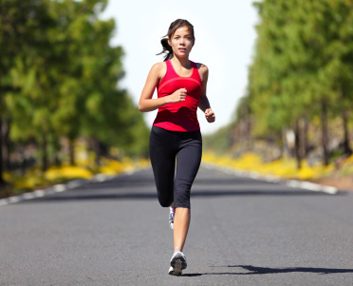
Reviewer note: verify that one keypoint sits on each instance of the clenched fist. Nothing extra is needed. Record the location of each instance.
(210, 116)
(178, 95)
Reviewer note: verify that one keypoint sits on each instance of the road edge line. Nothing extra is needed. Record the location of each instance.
(69, 185)
(273, 179)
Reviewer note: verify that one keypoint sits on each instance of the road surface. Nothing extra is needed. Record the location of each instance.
(243, 232)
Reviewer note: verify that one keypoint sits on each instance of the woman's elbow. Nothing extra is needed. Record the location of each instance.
(140, 107)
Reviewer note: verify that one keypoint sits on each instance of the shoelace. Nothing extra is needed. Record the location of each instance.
(171, 216)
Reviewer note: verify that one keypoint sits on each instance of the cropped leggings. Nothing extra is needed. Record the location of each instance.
(175, 159)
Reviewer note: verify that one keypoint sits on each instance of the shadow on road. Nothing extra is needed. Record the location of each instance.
(116, 194)
(127, 182)
(141, 186)
(255, 270)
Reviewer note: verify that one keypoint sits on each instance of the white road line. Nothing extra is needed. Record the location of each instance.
(291, 183)
(312, 187)
(27, 196)
(60, 188)
(13, 200)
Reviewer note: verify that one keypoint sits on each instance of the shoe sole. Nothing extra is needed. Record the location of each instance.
(178, 264)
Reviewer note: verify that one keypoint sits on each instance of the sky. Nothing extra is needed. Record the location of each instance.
(225, 38)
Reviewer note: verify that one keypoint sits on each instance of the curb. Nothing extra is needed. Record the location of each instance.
(58, 188)
(273, 179)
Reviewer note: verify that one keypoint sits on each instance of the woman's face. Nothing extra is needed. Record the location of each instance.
(182, 42)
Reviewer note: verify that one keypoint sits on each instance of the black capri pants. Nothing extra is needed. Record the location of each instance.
(175, 159)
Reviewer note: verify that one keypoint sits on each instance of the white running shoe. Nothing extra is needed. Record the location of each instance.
(171, 217)
(177, 263)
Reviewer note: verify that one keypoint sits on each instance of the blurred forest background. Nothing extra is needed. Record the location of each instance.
(59, 87)
(299, 98)
(61, 104)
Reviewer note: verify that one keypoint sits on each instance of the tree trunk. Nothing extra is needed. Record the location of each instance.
(297, 145)
(6, 144)
(284, 149)
(2, 180)
(305, 137)
(72, 152)
(44, 153)
(57, 150)
(324, 133)
(248, 131)
(97, 152)
(23, 167)
(346, 144)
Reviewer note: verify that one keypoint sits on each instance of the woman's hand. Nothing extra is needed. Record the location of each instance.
(210, 116)
(177, 96)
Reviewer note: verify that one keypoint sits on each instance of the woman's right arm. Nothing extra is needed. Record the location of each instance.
(146, 102)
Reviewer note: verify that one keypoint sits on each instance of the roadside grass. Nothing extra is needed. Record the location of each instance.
(283, 168)
(34, 178)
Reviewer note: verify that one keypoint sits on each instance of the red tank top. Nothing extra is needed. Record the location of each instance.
(180, 116)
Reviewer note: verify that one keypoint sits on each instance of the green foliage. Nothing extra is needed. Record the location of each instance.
(59, 76)
(303, 61)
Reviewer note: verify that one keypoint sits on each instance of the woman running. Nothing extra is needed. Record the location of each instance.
(175, 139)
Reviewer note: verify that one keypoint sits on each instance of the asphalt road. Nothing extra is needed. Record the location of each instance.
(243, 232)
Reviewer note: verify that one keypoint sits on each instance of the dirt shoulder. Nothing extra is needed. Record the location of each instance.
(341, 182)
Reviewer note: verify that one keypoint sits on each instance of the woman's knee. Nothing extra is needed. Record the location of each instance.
(165, 202)
(182, 199)
(165, 193)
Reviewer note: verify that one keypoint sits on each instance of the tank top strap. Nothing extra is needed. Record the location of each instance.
(168, 63)
(171, 71)
(170, 68)
(195, 71)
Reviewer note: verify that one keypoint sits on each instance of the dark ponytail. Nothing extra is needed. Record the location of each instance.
(167, 49)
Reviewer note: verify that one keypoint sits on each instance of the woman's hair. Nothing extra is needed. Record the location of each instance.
(167, 49)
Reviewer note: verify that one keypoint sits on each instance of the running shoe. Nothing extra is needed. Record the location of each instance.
(171, 217)
(177, 263)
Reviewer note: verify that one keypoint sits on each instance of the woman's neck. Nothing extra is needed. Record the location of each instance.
(184, 62)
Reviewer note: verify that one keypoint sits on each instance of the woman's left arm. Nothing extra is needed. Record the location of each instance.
(204, 103)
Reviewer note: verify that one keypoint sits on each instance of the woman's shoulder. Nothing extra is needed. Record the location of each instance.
(159, 69)
(203, 69)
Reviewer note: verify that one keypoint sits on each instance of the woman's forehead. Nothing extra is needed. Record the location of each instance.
(183, 30)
